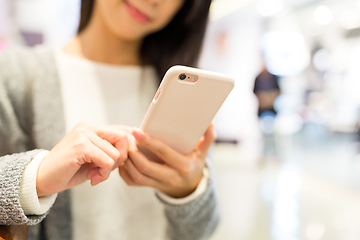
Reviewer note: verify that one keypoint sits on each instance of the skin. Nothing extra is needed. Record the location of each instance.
(178, 176)
(116, 34)
(92, 152)
(87, 152)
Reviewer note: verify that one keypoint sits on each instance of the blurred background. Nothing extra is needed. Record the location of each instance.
(287, 157)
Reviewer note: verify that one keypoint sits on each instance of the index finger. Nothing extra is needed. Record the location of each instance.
(160, 149)
(110, 133)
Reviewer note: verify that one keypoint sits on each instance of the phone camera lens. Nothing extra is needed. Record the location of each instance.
(182, 76)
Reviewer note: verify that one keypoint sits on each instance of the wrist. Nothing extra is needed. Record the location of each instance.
(39, 188)
(45, 179)
(181, 193)
(29, 200)
(200, 189)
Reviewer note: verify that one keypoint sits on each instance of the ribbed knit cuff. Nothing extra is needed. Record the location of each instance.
(200, 189)
(29, 200)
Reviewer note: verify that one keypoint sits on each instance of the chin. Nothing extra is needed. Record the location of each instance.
(130, 33)
(130, 36)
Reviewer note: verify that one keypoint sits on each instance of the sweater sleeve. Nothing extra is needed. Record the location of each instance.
(12, 168)
(29, 200)
(13, 137)
(196, 219)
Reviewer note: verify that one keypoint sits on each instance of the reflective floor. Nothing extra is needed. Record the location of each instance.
(307, 187)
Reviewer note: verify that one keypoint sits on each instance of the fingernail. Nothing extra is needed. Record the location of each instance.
(137, 133)
(130, 139)
(93, 183)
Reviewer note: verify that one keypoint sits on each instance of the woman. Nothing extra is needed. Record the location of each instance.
(107, 74)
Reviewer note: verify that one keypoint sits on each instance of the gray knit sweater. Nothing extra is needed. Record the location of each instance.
(32, 117)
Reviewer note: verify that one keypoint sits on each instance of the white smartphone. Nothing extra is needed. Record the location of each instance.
(184, 105)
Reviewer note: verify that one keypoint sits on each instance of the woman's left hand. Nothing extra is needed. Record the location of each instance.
(178, 175)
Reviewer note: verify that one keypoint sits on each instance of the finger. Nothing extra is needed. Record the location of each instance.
(102, 160)
(83, 174)
(149, 168)
(92, 172)
(119, 139)
(98, 178)
(122, 146)
(126, 129)
(125, 176)
(117, 151)
(139, 178)
(206, 142)
(160, 149)
(105, 146)
(112, 133)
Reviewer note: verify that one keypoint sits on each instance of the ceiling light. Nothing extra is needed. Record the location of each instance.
(323, 15)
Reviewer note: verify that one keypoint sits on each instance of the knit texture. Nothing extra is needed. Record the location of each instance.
(20, 65)
(11, 212)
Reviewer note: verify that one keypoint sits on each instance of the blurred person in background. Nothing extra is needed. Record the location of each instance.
(107, 74)
(266, 89)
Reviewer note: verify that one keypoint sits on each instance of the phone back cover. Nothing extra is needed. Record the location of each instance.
(183, 111)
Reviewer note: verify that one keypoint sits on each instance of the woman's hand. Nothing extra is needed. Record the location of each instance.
(87, 152)
(178, 176)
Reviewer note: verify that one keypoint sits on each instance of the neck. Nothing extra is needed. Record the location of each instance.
(97, 43)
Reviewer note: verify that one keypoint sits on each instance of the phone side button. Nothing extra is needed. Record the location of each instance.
(157, 94)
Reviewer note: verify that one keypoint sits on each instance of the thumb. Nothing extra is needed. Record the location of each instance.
(206, 141)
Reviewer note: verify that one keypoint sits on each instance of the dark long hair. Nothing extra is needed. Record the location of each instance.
(179, 42)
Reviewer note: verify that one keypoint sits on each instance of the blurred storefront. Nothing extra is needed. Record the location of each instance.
(303, 181)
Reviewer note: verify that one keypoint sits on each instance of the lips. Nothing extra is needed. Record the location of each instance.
(135, 13)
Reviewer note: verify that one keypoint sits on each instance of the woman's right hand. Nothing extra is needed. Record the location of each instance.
(87, 152)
